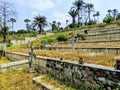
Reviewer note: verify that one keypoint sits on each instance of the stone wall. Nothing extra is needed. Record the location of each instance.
(88, 76)
(106, 50)
(13, 65)
(26, 40)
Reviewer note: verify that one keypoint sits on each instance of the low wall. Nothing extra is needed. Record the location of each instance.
(105, 36)
(26, 40)
(77, 75)
(13, 65)
(106, 50)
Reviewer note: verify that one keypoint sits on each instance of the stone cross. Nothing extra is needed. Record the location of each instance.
(32, 55)
(73, 43)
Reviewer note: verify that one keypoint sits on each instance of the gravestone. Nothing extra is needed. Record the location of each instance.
(32, 55)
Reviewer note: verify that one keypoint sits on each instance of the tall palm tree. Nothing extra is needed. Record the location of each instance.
(58, 25)
(89, 8)
(94, 15)
(73, 13)
(27, 25)
(67, 24)
(109, 12)
(98, 14)
(12, 20)
(53, 25)
(79, 4)
(115, 12)
(39, 22)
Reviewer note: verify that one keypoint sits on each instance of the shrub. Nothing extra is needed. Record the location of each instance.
(62, 37)
(108, 19)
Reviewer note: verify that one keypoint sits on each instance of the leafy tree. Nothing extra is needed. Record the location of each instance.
(39, 22)
(27, 24)
(89, 8)
(73, 13)
(79, 4)
(12, 20)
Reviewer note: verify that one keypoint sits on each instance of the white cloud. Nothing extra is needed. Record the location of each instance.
(61, 17)
(41, 4)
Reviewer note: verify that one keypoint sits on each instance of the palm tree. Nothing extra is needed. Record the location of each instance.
(98, 14)
(73, 13)
(94, 15)
(89, 8)
(27, 25)
(109, 12)
(115, 12)
(67, 24)
(39, 22)
(53, 25)
(13, 21)
(79, 4)
(58, 25)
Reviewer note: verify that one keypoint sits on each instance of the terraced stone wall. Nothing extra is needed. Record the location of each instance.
(88, 76)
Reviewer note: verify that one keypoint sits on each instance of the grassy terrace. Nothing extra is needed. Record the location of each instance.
(50, 81)
(4, 60)
(17, 80)
(100, 59)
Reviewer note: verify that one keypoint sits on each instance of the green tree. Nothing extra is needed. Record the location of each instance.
(27, 24)
(89, 8)
(79, 4)
(39, 22)
(73, 13)
(12, 20)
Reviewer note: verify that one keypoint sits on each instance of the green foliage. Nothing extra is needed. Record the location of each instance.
(62, 37)
(108, 19)
(91, 22)
(21, 31)
(118, 16)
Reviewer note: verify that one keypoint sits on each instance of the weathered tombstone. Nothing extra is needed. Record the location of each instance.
(32, 55)
(73, 43)
(81, 60)
(117, 65)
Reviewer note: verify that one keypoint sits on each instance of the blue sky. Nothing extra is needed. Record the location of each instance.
(55, 10)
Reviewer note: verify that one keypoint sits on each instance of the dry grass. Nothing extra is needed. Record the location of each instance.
(100, 59)
(17, 80)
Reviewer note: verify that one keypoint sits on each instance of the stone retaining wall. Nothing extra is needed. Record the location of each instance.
(77, 75)
(13, 65)
(106, 50)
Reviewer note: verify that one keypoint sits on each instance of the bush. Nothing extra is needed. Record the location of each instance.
(62, 37)
(108, 19)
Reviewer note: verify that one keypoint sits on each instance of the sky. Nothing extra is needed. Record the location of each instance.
(55, 10)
